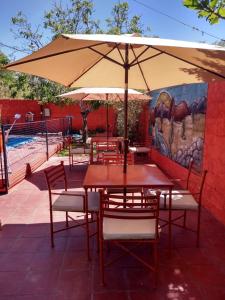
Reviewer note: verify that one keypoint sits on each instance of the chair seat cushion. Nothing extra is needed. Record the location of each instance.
(68, 202)
(93, 201)
(139, 149)
(180, 201)
(128, 229)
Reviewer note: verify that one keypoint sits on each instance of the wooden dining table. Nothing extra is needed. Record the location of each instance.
(144, 176)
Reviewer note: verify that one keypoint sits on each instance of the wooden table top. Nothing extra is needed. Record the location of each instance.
(103, 176)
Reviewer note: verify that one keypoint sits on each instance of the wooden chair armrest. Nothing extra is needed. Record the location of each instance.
(71, 194)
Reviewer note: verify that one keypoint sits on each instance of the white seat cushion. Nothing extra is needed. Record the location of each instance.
(75, 203)
(139, 149)
(128, 229)
(180, 201)
(93, 201)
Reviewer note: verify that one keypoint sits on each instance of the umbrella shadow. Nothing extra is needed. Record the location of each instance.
(75, 177)
(212, 66)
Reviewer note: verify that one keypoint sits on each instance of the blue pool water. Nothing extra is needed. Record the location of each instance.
(14, 142)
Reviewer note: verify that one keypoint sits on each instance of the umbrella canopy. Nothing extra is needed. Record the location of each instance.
(104, 94)
(120, 60)
(83, 60)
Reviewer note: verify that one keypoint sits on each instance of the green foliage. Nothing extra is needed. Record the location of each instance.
(31, 37)
(134, 110)
(211, 10)
(63, 152)
(120, 22)
(75, 18)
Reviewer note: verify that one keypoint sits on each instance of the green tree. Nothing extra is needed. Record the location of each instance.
(76, 17)
(120, 21)
(5, 77)
(212, 10)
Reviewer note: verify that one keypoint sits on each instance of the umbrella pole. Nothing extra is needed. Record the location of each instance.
(107, 118)
(126, 68)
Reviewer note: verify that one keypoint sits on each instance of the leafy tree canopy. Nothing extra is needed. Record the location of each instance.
(212, 10)
(76, 17)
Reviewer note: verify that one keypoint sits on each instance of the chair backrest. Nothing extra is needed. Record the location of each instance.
(67, 141)
(54, 175)
(117, 158)
(130, 207)
(192, 172)
(107, 146)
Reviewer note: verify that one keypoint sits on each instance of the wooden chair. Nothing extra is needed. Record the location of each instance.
(75, 150)
(106, 147)
(135, 223)
(117, 158)
(184, 200)
(69, 201)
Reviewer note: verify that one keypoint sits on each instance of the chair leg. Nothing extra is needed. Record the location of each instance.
(97, 223)
(155, 249)
(198, 226)
(51, 229)
(87, 235)
(184, 220)
(101, 261)
(67, 221)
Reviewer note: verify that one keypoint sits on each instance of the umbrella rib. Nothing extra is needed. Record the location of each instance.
(184, 60)
(89, 68)
(120, 54)
(106, 57)
(50, 55)
(136, 58)
(147, 58)
(142, 73)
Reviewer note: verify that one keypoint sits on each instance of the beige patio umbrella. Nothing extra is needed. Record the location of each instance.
(90, 60)
(104, 94)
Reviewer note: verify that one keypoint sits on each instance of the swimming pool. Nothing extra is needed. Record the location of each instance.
(17, 141)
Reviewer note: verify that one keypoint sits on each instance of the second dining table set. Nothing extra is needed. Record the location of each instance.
(125, 206)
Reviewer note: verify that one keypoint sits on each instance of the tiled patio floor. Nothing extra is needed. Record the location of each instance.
(31, 269)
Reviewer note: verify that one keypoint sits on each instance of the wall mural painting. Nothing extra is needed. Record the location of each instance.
(177, 122)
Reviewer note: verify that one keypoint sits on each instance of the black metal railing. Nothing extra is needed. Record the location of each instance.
(26, 146)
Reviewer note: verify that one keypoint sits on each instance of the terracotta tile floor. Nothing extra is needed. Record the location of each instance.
(31, 269)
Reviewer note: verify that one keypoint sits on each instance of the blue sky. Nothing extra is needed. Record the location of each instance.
(160, 25)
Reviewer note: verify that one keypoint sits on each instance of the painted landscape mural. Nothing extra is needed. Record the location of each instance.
(177, 122)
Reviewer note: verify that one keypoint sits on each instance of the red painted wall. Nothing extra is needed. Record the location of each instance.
(96, 119)
(214, 158)
(10, 107)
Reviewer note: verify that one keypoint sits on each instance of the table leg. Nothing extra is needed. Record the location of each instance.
(170, 219)
(91, 153)
(87, 223)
